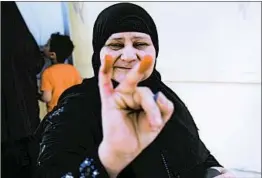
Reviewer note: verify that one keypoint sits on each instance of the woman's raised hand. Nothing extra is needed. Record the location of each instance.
(132, 116)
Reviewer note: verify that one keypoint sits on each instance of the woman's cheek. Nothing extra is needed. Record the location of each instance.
(115, 54)
(105, 51)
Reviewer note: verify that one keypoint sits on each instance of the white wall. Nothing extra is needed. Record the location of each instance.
(210, 54)
(42, 19)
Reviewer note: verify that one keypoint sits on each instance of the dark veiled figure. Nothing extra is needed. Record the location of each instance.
(20, 62)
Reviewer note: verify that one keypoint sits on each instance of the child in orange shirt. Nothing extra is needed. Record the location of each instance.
(59, 76)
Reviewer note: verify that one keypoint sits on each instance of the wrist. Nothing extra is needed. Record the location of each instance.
(114, 163)
(107, 160)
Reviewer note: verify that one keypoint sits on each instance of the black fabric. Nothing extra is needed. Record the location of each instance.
(68, 138)
(178, 144)
(183, 153)
(18, 159)
(20, 62)
(211, 173)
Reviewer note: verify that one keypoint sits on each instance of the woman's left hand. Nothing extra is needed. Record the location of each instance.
(132, 116)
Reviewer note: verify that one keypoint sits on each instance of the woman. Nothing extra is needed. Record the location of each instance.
(123, 122)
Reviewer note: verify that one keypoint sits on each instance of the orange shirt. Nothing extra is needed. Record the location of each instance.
(57, 78)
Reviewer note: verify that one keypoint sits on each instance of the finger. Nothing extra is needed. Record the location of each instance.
(124, 101)
(104, 78)
(226, 175)
(166, 106)
(135, 75)
(144, 97)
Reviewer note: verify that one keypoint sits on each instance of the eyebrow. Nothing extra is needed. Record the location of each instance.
(139, 37)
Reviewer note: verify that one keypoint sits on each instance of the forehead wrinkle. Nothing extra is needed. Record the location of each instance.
(122, 39)
(129, 34)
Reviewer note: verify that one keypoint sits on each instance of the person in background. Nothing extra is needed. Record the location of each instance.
(59, 76)
(21, 60)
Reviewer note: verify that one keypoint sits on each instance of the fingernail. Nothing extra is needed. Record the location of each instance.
(108, 63)
(156, 96)
(145, 64)
(161, 98)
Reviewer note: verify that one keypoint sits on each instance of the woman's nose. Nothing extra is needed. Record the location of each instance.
(129, 54)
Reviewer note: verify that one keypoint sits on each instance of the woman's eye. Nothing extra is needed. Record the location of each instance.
(115, 46)
(140, 45)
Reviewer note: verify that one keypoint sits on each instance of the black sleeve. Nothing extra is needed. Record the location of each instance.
(66, 142)
(211, 162)
(201, 170)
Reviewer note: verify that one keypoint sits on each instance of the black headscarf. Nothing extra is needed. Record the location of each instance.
(128, 17)
(122, 17)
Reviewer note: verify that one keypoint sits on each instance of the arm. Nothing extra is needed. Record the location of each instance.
(67, 141)
(46, 96)
(210, 168)
(203, 170)
(46, 87)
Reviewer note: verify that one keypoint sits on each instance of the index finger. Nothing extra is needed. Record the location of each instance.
(135, 75)
(104, 78)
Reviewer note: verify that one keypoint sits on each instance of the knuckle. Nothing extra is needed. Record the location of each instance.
(145, 90)
(171, 106)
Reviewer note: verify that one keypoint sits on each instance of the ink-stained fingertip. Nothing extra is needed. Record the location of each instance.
(145, 64)
(108, 63)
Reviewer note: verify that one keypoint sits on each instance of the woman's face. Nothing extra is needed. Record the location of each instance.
(127, 49)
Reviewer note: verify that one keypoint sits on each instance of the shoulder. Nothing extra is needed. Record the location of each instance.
(88, 87)
(68, 66)
(74, 107)
(64, 134)
(58, 66)
(45, 73)
(49, 69)
(72, 68)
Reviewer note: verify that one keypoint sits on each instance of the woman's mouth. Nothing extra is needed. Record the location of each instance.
(123, 68)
